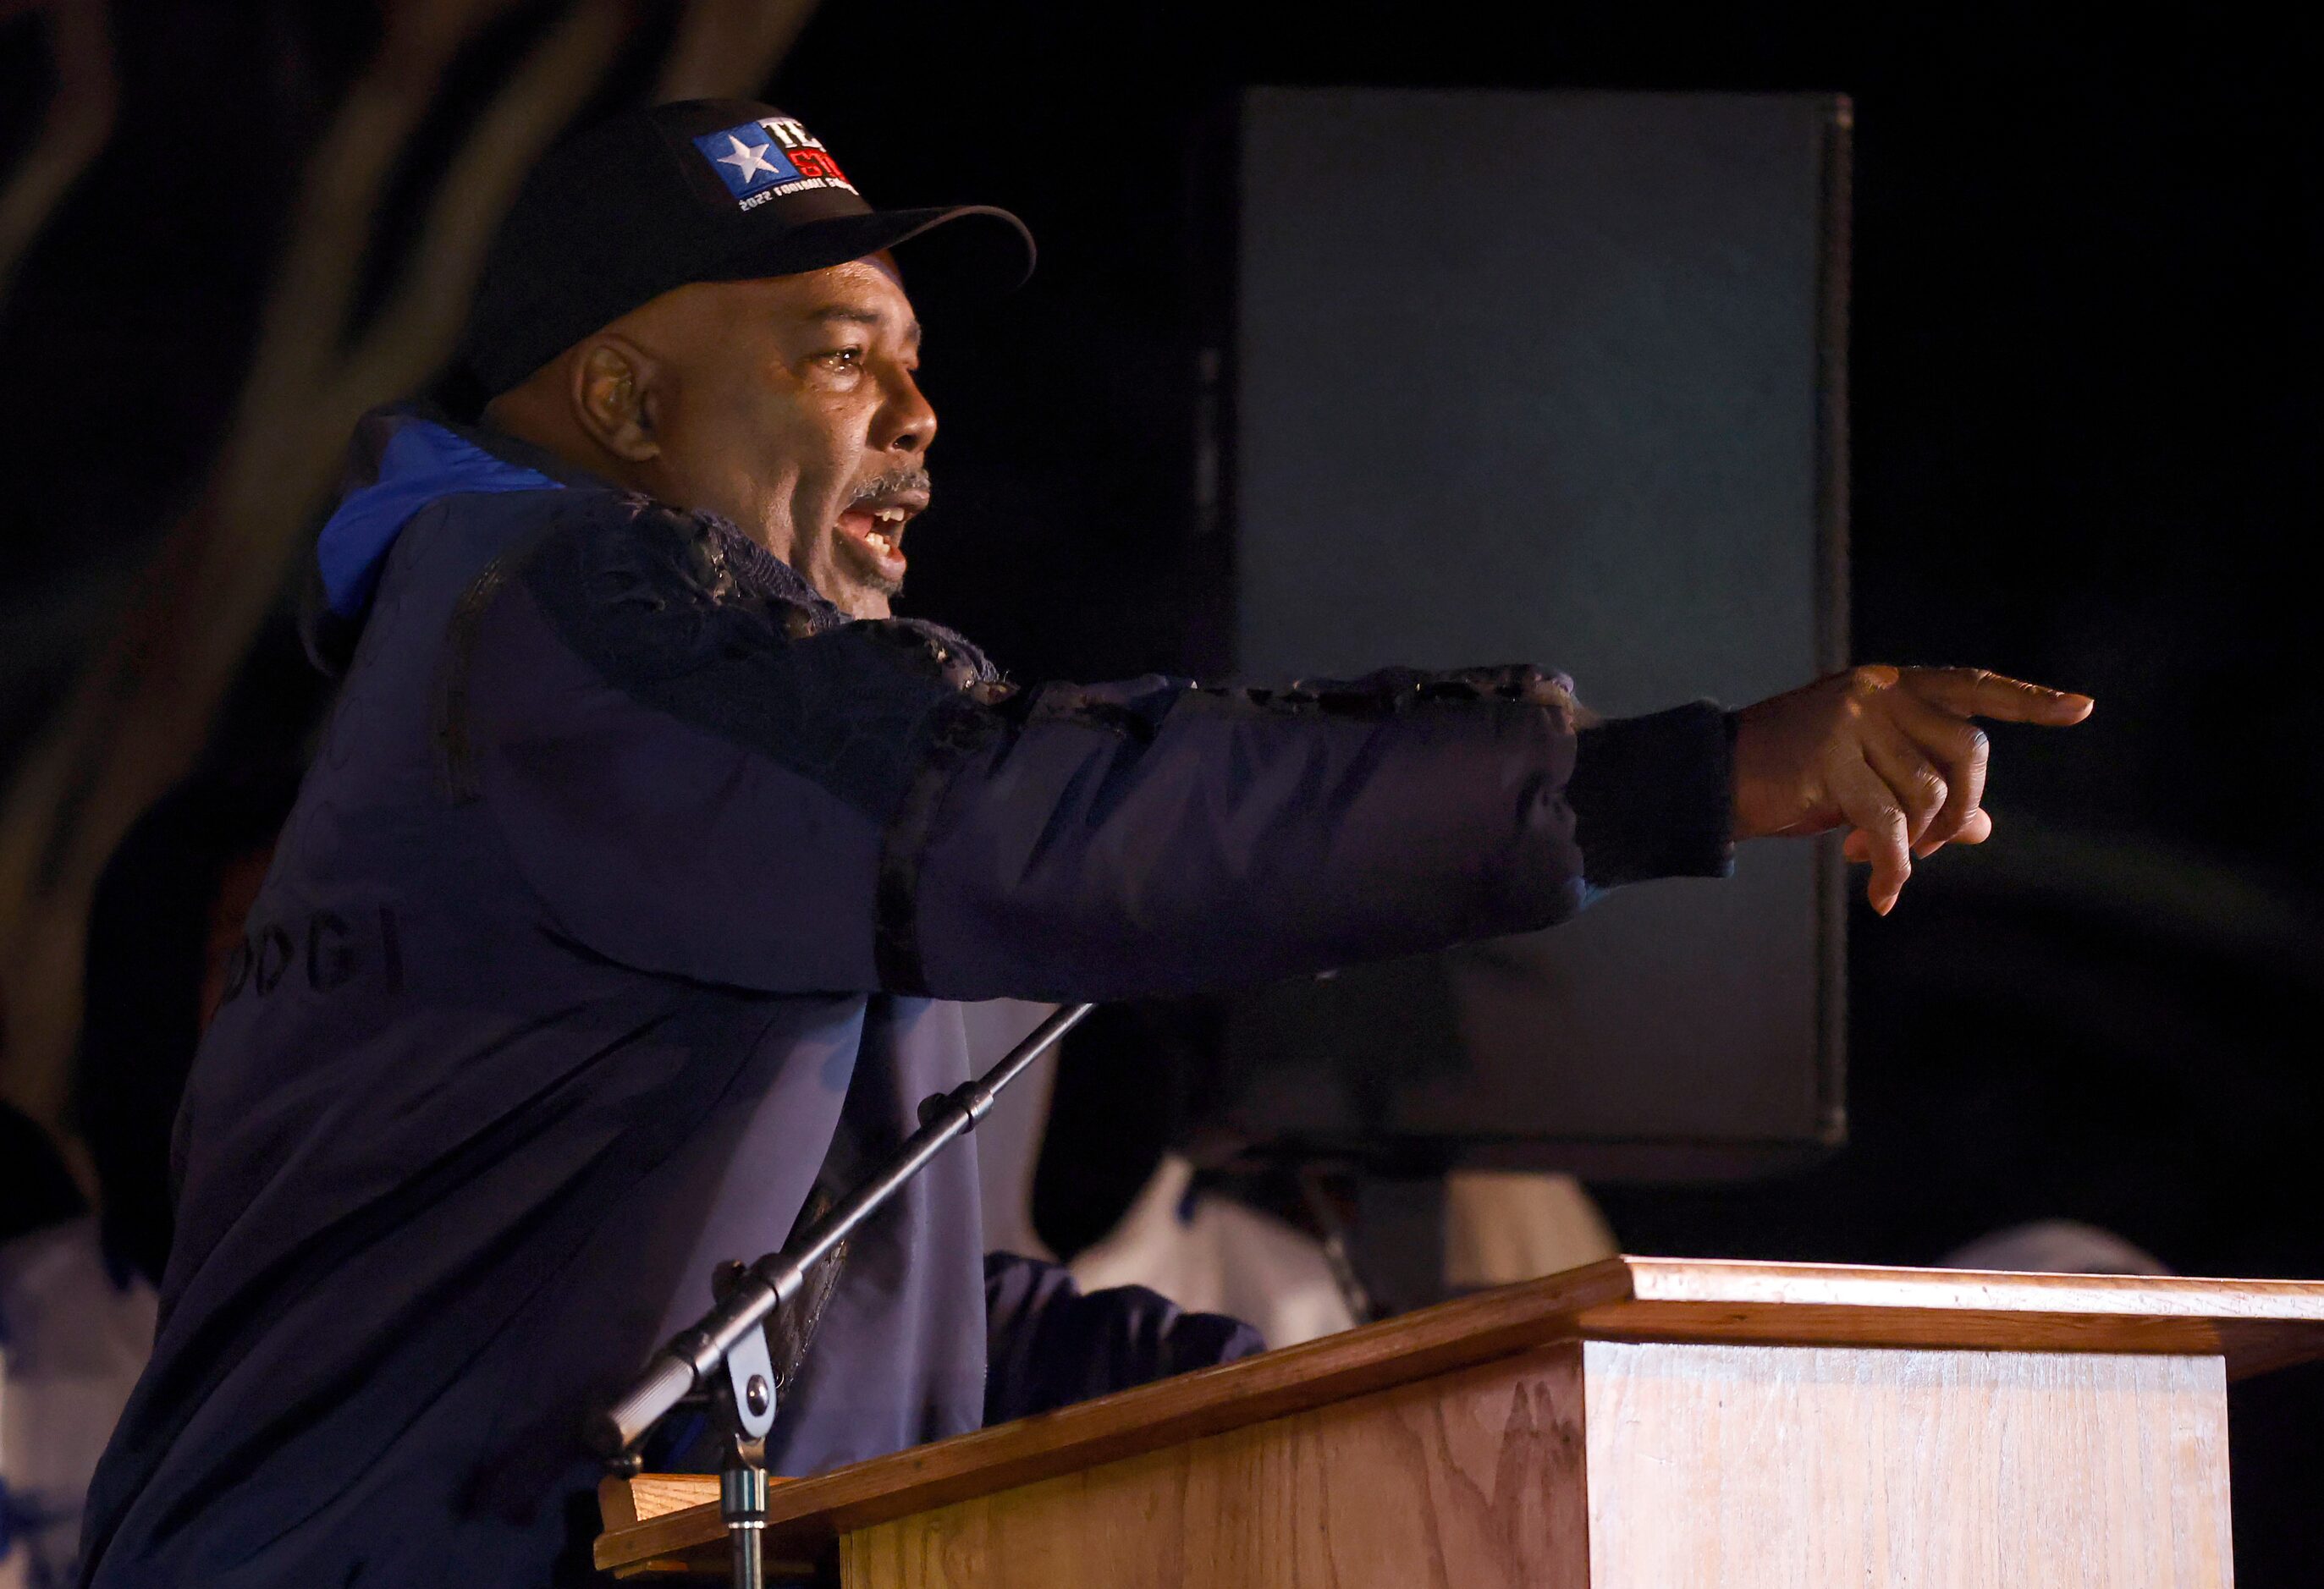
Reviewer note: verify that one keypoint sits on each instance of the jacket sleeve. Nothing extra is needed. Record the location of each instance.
(706, 784)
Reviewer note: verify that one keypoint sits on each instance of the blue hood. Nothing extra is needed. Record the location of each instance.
(422, 463)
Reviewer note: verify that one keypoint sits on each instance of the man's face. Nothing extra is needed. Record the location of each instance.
(789, 406)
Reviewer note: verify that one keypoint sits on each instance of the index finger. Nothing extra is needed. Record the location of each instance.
(1972, 692)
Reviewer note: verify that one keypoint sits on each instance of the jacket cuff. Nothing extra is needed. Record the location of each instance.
(1654, 796)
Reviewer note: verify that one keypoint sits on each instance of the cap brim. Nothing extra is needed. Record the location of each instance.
(990, 258)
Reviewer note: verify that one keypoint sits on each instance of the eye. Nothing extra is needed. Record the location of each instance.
(841, 358)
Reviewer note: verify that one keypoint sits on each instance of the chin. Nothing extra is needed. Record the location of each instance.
(866, 598)
(862, 592)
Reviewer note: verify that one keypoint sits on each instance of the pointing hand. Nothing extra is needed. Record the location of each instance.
(1890, 753)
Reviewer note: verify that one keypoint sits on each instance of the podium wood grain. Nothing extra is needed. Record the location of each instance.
(1473, 1479)
(1735, 1467)
(1806, 1424)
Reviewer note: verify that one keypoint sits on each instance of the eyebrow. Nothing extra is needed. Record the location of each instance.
(871, 318)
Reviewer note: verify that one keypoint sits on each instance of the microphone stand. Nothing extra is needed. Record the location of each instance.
(732, 1335)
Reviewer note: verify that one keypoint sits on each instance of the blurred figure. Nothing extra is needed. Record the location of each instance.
(1205, 1249)
(2054, 1247)
(74, 1333)
(1139, 1182)
(1506, 1226)
(1251, 1246)
(77, 1289)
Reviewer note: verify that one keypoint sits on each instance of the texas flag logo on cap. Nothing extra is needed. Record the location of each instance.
(764, 160)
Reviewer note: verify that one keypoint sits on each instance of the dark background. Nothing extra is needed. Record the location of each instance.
(2085, 414)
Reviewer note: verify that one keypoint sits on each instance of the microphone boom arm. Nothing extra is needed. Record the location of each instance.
(694, 1357)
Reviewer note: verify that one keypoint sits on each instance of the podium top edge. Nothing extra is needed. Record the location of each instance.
(1774, 1285)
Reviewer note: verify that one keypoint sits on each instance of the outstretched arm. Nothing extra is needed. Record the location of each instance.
(705, 785)
(709, 784)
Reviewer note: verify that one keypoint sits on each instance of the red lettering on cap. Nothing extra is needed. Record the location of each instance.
(816, 162)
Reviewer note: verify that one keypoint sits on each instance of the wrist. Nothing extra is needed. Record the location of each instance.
(1654, 796)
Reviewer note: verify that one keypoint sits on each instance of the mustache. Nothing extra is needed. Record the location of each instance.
(894, 483)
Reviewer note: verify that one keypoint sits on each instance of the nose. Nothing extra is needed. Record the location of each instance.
(906, 422)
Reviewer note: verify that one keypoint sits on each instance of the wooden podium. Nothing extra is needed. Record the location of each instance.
(1641, 1423)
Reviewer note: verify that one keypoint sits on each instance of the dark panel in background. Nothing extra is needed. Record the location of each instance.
(1553, 378)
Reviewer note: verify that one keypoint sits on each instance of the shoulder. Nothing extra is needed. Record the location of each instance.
(648, 590)
(615, 573)
(682, 614)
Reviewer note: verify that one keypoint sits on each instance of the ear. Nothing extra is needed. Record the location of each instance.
(615, 395)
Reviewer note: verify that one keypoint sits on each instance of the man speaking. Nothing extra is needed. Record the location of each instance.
(619, 913)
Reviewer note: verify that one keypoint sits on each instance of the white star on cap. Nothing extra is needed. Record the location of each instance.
(746, 160)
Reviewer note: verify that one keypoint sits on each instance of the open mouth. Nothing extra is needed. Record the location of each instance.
(876, 524)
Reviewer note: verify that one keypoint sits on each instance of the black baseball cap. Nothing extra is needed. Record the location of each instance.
(699, 190)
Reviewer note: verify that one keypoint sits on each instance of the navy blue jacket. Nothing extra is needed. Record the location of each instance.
(623, 903)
